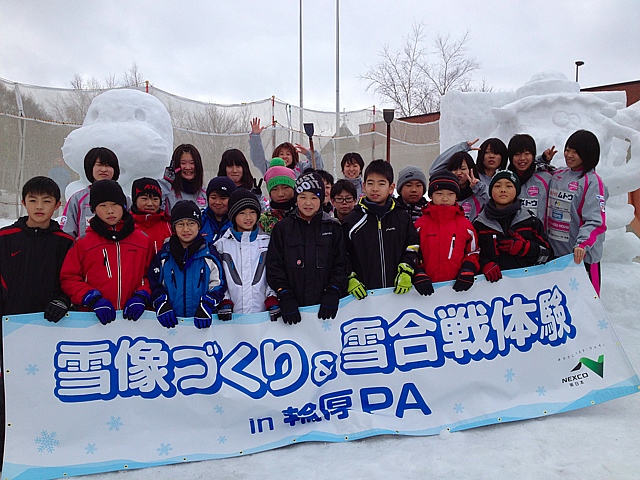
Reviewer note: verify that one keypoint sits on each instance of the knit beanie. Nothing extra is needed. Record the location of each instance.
(240, 200)
(106, 191)
(509, 175)
(222, 184)
(279, 174)
(444, 180)
(410, 173)
(145, 186)
(186, 210)
(311, 182)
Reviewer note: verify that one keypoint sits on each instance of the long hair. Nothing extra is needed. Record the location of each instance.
(498, 147)
(234, 156)
(455, 162)
(586, 145)
(198, 180)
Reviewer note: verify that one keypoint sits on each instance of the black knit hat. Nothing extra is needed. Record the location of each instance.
(240, 200)
(221, 184)
(106, 191)
(444, 180)
(186, 210)
(145, 186)
(311, 182)
(509, 175)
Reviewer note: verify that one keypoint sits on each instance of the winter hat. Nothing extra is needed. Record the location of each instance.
(145, 186)
(240, 200)
(509, 175)
(444, 180)
(106, 191)
(410, 173)
(311, 182)
(279, 174)
(221, 184)
(186, 210)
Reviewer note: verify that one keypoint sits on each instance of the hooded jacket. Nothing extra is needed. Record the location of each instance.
(156, 225)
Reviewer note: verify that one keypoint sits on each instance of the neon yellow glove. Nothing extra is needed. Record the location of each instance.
(403, 279)
(355, 287)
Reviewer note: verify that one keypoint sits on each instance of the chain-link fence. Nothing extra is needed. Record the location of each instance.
(34, 122)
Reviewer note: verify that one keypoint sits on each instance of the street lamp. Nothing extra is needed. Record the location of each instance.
(579, 63)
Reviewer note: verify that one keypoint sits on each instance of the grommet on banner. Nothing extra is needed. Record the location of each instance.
(346, 438)
(544, 411)
(499, 419)
(593, 402)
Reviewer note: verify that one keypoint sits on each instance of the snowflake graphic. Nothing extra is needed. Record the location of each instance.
(90, 448)
(509, 375)
(47, 441)
(574, 284)
(219, 409)
(115, 423)
(541, 391)
(164, 449)
(326, 325)
(222, 439)
(31, 369)
(459, 408)
(172, 332)
(603, 324)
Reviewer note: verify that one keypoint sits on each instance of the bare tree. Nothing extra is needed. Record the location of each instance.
(413, 79)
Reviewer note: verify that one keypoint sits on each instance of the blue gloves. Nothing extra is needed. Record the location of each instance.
(136, 305)
(202, 318)
(164, 312)
(102, 307)
(225, 310)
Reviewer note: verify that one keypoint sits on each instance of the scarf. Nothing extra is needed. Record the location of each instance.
(117, 233)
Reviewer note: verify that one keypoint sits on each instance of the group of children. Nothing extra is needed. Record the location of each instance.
(317, 242)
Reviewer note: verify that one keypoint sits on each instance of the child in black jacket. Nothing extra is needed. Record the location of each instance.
(509, 235)
(306, 260)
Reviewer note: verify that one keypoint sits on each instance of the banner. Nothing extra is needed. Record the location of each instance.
(86, 398)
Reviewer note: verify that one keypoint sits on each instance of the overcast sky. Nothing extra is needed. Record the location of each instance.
(245, 50)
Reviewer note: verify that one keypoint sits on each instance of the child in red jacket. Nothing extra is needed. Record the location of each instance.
(448, 243)
(106, 268)
(148, 213)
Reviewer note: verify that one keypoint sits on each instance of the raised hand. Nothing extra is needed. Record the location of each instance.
(255, 126)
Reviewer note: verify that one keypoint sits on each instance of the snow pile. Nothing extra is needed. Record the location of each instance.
(135, 125)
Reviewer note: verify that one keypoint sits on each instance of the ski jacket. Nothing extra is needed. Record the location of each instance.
(170, 197)
(525, 224)
(202, 273)
(447, 240)
(306, 257)
(244, 258)
(157, 226)
(212, 229)
(256, 153)
(376, 246)
(473, 204)
(30, 263)
(117, 269)
(576, 213)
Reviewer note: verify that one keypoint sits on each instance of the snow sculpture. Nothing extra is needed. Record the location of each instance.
(550, 108)
(135, 125)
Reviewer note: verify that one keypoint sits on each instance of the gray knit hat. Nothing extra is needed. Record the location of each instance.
(410, 173)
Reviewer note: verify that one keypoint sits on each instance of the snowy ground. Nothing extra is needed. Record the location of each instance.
(592, 443)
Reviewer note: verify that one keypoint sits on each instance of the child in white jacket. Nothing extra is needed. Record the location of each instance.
(243, 251)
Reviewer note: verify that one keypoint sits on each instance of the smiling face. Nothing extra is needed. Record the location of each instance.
(109, 212)
(308, 205)
(286, 155)
(522, 161)
(572, 159)
(187, 166)
(377, 188)
(503, 193)
(186, 231)
(219, 204)
(246, 220)
(235, 172)
(147, 203)
(351, 170)
(40, 208)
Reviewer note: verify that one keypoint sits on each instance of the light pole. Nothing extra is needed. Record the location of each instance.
(579, 63)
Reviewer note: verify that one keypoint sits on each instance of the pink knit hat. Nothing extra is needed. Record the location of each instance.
(279, 174)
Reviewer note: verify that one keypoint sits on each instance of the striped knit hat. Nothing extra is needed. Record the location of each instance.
(279, 174)
(444, 180)
(241, 199)
(509, 175)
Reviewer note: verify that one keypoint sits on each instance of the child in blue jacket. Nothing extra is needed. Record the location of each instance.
(186, 277)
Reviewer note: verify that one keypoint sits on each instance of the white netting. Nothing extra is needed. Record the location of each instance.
(34, 122)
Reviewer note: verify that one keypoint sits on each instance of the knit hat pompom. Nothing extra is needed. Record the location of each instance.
(279, 174)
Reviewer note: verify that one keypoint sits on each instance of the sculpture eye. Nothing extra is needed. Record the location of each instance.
(140, 115)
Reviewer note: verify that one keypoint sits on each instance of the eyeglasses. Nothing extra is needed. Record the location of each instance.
(343, 199)
(185, 224)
